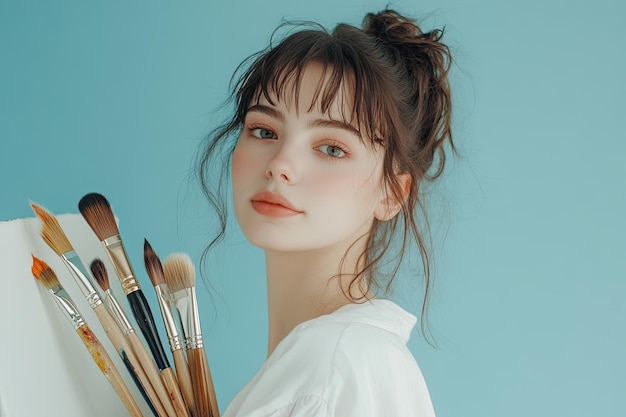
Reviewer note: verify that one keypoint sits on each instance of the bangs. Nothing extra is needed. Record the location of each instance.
(348, 78)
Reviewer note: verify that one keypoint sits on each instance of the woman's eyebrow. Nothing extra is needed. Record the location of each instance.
(270, 111)
(335, 124)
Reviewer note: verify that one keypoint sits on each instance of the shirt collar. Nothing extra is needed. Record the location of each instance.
(384, 314)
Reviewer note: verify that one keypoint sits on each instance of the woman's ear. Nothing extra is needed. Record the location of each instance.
(391, 204)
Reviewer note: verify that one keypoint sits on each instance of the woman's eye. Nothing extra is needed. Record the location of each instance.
(332, 151)
(263, 133)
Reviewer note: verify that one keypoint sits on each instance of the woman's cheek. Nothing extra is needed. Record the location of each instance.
(242, 163)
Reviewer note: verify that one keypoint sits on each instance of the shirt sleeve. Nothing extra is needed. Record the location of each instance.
(306, 406)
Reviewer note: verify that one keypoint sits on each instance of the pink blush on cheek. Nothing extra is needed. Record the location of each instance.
(242, 164)
(324, 184)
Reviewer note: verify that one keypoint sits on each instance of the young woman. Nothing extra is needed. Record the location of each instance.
(336, 133)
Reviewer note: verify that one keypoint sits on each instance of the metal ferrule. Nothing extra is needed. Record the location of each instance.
(182, 301)
(194, 337)
(118, 313)
(76, 267)
(63, 300)
(117, 254)
(196, 330)
(165, 304)
(194, 342)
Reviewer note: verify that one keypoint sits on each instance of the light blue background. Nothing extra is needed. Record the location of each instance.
(530, 301)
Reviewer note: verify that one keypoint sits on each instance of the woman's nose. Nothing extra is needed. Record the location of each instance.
(283, 165)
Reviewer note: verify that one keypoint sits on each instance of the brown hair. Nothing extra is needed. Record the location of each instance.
(401, 100)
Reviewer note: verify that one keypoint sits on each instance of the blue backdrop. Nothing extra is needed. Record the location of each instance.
(529, 222)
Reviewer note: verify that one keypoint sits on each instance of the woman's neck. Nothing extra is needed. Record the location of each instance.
(304, 285)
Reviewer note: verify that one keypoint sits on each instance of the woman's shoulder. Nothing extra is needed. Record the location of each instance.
(358, 347)
(359, 354)
(371, 343)
(351, 362)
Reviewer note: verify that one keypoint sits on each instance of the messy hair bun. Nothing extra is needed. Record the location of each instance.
(422, 63)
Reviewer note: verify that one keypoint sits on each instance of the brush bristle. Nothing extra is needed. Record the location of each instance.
(51, 232)
(179, 272)
(38, 266)
(153, 264)
(99, 272)
(43, 273)
(97, 212)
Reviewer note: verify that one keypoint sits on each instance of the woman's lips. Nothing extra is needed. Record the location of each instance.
(272, 204)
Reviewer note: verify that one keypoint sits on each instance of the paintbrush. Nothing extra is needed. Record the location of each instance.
(98, 213)
(147, 370)
(180, 277)
(55, 237)
(46, 276)
(155, 272)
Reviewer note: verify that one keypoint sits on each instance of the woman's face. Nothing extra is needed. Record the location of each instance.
(304, 180)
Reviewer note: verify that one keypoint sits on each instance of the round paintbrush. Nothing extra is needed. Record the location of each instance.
(155, 272)
(146, 370)
(180, 277)
(46, 276)
(98, 213)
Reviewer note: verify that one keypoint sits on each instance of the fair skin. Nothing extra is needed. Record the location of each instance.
(306, 187)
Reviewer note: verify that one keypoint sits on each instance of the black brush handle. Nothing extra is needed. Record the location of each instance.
(133, 374)
(141, 310)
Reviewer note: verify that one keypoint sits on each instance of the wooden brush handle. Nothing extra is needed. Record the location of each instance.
(116, 336)
(169, 379)
(184, 380)
(104, 362)
(150, 369)
(111, 328)
(204, 392)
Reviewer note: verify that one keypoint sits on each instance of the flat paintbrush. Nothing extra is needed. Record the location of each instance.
(55, 237)
(180, 277)
(147, 370)
(46, 276)
(155, 272)
(98, 213)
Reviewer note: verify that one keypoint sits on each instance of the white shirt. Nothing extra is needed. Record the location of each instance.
(351, 363)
